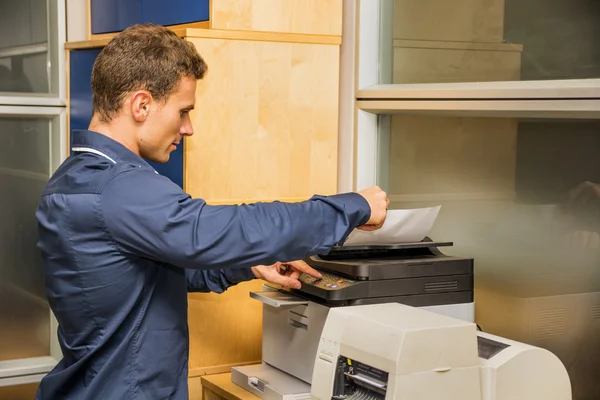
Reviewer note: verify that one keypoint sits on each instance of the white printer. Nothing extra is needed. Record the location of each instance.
(392, 351)
(397, 352)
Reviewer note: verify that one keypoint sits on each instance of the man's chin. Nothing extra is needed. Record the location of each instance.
(159, 160)
(164, 160)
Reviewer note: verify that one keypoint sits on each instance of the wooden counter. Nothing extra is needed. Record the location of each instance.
(220, 387)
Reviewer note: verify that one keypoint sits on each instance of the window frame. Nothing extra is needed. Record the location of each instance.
(51, 106)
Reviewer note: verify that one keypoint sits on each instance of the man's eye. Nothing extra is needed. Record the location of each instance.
(182, 113)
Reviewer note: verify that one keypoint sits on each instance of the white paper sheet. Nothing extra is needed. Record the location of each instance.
(400, 226)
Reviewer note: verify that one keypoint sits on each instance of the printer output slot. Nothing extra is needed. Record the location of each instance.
(367, 382)
(361, 394)
(357, 381)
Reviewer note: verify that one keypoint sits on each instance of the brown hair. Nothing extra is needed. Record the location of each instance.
(145, 56)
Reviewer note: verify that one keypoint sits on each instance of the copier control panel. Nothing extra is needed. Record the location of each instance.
(327, 282)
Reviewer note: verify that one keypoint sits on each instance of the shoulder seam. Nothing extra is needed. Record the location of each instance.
(101, 188)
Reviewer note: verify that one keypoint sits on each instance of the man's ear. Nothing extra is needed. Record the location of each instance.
(140, 105)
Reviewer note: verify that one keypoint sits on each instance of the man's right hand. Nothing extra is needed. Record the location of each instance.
(379, 202)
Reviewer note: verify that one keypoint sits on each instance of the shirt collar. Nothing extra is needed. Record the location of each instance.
(104, 146)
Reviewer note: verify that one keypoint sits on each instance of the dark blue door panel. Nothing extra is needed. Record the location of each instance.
(115, 15)
(81, 63)
(173, 12)
(173, 169)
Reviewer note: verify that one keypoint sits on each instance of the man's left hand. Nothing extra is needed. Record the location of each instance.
(285, 274)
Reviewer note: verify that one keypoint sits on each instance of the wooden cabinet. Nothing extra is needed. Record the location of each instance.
(266, 120)
(265, 129)
(220, 387)
(315, 17)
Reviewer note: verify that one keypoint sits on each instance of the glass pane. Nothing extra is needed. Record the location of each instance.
(24, 46)
(435, 41)
(522, 197)
(24, 171)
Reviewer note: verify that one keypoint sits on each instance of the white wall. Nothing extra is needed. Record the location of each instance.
(77, 20)
(347, 99)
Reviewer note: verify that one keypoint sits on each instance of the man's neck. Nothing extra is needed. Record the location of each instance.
(117, 130)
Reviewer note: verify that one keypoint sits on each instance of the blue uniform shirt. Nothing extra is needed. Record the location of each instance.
(122, 246)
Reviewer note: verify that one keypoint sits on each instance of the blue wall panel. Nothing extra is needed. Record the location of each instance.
(173, 12)
(115, 15)
(81, 63)
(80, 74)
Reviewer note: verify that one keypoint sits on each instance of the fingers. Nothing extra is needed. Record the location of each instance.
(284, 281)
(295, 275)
(378, 202)
(301, 266)
(369, 228)
(256, 270)
(285, 274)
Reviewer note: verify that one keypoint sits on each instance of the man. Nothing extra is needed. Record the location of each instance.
(123, 245)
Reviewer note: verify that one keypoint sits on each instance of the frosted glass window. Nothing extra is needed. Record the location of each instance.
(521, 196)
(24, 170)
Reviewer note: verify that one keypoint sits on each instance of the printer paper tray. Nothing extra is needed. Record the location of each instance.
(275, 298)
(270, 383)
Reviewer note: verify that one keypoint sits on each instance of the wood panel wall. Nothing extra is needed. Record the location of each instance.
(266, 122)
(266, 128)
(315, 17)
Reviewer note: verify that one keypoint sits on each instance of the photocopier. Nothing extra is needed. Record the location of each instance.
(415, 274)
(389, 322)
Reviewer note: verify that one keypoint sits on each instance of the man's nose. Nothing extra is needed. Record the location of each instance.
(187, 129)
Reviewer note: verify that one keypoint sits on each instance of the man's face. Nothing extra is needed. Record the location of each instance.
(168, 122)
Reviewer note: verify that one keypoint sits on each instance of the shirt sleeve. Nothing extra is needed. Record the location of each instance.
(149, 216)
(216, 280)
